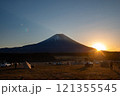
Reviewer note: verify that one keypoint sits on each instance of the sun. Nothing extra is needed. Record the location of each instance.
(99, 46)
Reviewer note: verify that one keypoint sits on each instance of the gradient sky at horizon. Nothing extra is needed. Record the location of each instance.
(24, 22)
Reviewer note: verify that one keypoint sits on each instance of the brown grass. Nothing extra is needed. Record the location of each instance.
(59, 72)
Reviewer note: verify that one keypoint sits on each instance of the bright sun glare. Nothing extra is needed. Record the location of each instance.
(99, 46)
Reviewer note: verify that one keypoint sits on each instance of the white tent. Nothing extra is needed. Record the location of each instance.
(26, 65)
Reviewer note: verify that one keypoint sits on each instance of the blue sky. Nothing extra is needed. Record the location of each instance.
(25, 22)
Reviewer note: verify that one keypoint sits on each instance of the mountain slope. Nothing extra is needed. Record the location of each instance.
(58, 43)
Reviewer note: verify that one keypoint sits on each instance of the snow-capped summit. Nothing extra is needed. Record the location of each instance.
(59, 37)
(58, 43)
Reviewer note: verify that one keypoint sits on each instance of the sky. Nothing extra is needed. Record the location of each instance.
(24, 22)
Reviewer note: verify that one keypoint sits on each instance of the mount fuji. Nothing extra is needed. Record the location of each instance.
(58, 43)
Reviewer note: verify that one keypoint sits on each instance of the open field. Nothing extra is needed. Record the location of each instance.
(60, 72)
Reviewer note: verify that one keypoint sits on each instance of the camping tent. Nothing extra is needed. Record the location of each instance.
(26, 65)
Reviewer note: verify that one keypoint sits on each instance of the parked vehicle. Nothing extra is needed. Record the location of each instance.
(90, 62)
(5, 65)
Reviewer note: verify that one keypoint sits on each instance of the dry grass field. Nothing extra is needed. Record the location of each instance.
(59, 72)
